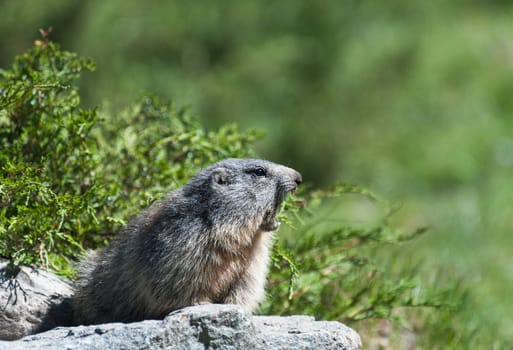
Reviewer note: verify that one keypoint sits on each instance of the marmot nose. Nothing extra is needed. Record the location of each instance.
(291, 179)
(298, 178)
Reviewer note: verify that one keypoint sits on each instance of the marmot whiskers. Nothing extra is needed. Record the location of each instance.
(206, 242)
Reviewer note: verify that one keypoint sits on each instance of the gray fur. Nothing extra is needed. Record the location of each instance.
(207, 242)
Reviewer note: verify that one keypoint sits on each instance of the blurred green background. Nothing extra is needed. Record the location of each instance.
(413, 99)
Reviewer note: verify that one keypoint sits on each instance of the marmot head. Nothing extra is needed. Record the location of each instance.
(246, 193)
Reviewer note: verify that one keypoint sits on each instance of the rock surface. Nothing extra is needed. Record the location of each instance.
(212, 326)
(35, 300)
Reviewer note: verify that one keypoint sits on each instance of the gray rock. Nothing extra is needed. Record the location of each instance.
(34, 300)
(212, 326)
(303, 332)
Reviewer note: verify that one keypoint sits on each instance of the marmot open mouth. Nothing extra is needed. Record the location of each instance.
(271, 222)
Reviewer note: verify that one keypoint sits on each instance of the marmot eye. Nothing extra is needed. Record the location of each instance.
(259, 171)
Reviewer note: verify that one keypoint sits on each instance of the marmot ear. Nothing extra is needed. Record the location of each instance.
(220, 176)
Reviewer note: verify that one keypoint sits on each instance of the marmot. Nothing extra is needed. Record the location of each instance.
(206, 242)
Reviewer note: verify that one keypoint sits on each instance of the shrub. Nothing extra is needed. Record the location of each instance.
(71, 176)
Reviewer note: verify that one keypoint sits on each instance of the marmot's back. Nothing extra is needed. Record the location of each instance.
(207, 242)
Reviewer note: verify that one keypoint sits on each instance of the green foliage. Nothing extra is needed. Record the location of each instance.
(410, 98)
(327, 270)
(47, 179)
(70, 177)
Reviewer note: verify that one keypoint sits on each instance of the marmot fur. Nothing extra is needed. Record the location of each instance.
(206, 242)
